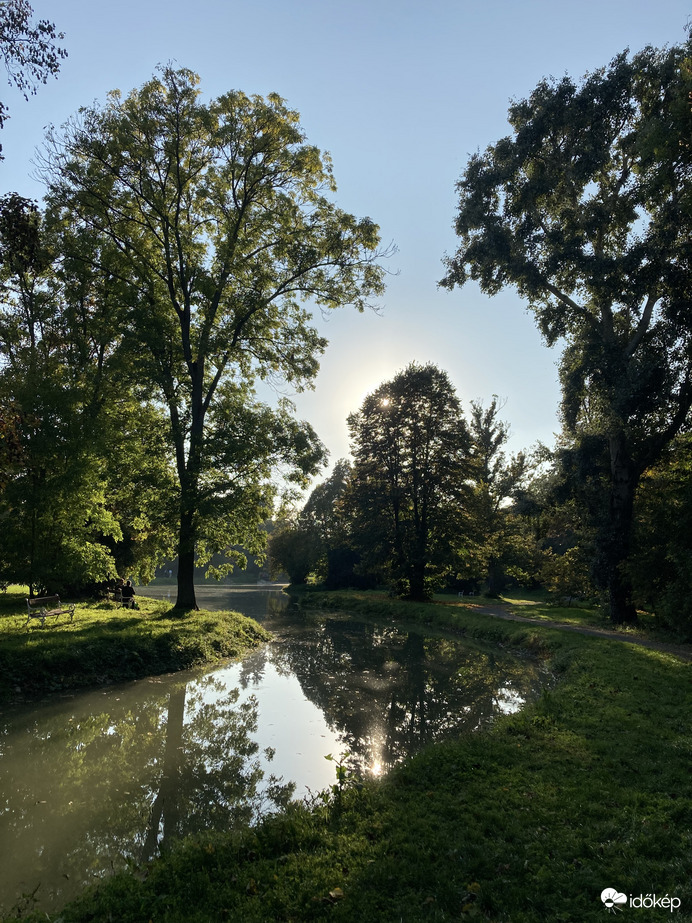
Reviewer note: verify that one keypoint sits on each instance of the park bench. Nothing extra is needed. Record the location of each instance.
(44, 607)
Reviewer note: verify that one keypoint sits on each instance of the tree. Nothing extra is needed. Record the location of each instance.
(141, 491)
(28, 50)
(585, 210)
(86, 472)
(661, 560)
(214, 220)
(294, 550)
(53, 505)
(321, 509)
(406, 498)
(304, 541)
(495, 481)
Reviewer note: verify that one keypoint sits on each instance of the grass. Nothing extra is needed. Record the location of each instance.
(529, 821)
(106, 645)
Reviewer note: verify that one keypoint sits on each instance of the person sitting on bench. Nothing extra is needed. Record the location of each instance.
(128, 593)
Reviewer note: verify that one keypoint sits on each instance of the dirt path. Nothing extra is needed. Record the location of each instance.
(684, 651)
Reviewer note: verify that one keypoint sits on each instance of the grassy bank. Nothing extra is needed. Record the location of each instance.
(107, 645)
(530, 821)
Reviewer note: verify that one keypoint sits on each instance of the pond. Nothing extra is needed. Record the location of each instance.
(99, 780)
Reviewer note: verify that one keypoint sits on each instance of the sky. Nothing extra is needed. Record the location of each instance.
(400, 93)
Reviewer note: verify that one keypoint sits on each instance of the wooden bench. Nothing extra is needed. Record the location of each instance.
(43, 607)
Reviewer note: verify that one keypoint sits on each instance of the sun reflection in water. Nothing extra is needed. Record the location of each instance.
(374, 764)
(509, 701)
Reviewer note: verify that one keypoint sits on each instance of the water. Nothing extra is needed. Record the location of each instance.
(93, 782)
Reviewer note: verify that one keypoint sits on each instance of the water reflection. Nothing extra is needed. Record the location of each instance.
(92, 783)
(388, 692)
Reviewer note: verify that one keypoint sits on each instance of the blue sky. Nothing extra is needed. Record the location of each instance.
(400, 93)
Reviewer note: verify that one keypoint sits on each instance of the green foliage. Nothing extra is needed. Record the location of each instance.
(86, 475)
(558, 526)
(294, 550)
(141, 487)
(495, 480)
(585, 211)
(52, 505)
(304, 543)
(28, 49)
(346, 778)
(405, 499)
(322, 510)
(212, 223)
(566, 575)
(661, 560)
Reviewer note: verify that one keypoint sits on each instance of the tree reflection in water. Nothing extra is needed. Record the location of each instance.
(122, 776)
(389, 692)
(211, 777)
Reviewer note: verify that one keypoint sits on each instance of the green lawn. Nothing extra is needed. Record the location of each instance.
(529, 821)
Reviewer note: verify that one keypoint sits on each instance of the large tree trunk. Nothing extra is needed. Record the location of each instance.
(186, 560)
(189, 479)
(496, 578)
(417, 591)
(623, 485)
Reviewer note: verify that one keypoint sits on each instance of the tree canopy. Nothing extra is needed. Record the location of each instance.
(206, 226)
(410, 446)
(85, 470)
(494, 482)
(306, 543)
(585, 210)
